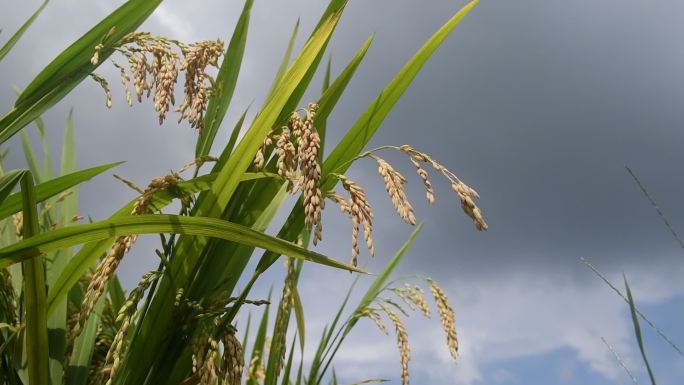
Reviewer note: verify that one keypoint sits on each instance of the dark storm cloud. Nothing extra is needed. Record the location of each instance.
(540, 105)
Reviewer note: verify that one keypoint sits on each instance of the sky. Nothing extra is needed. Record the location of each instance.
(538, 104)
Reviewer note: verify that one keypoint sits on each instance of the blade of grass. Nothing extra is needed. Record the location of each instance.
(225, 154)
(47, 170)
(31, 159)
(7, 183)
(322, 124)
(323, 343)
(78, 370)
(285, 60)
(299, 317)
(53, 187)
(225, 83)
(288, 365)
(364, 129)
(155, 224)
(117, 295)
(637, 330)
(34, 289)
(20, 32)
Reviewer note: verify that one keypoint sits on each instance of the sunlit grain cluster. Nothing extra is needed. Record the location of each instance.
(154, 63)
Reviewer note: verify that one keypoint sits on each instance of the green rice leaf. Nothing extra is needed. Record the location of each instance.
(17, 35)
(288, 365)
(117, 296)
(225, 83)
(225, 154)
(299, 316)
(31, 159)
(155, 224)
(637, 331)
(285, 60)
(364, 129)
(48, 170)
(333, 92)
(78, 369)
(53, 187)
(7, 183)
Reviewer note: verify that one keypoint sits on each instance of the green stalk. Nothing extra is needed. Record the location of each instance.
(34, 281)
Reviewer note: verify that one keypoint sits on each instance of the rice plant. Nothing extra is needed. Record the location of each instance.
(66, 319)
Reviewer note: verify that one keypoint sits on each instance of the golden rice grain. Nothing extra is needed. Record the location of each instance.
(402, 343)
(446, 316)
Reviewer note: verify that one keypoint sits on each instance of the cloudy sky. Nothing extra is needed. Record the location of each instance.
(538, 104)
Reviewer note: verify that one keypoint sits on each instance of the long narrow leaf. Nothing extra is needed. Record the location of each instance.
(78, 370)
(20, 32)
(637, 331)
(364, 129)
(31, 159)
(286, 59)
(7, 183)
(153, 224)
(225, 83)
(53, 187)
